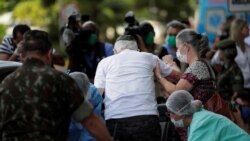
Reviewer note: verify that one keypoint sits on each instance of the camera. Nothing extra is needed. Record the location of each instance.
(132, 28)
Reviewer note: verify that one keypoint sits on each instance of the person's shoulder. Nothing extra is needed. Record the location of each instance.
(7, 40)
(9, 79)
(196, 67)
(56, 75)
(203, 117)
(199, 69)
(7, 37)
(148, 54)
(105, 61)
(208, 115)
(109, 58)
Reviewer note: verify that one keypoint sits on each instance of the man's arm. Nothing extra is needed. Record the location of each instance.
(84, 114)
(13, 57)
(4, 56)
(97, 128)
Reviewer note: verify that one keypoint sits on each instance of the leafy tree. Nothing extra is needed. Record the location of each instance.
(2, 31)
(7, 5)
(32, 13)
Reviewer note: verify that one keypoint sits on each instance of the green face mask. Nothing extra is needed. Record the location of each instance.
(171, 40)
(149, 39)
(92, 39)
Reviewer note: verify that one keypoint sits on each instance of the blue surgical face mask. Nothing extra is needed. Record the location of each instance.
(178, 123)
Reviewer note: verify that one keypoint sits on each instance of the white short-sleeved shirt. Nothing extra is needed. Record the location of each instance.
(128, 80)
(243, 61)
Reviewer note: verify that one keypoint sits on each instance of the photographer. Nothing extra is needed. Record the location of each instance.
(72, 28)
(87, 51)
(144, 34)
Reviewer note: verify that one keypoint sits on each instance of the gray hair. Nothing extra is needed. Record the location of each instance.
(91, 26)
(198, 41)
(82, 81)
(181, 102)
(87, 23)
(125, 44)
(176, 24)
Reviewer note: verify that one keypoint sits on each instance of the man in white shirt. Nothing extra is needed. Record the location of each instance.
(128, 81)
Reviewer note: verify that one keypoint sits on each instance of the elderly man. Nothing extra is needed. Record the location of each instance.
(128, 81)
(38, 101)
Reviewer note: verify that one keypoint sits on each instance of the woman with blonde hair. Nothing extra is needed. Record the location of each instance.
(239, 31)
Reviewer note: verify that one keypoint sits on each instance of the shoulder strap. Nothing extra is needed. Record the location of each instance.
(210, 70)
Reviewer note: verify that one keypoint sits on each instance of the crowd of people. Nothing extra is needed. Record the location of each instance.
(110, 91)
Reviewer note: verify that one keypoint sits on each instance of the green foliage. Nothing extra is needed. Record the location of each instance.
(106, 13)
(48, 3)
(32, 13)
(2, 31)
(7, 5)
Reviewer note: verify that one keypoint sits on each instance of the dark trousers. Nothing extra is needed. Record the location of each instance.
(137, 128)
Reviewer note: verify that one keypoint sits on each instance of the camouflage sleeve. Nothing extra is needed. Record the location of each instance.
(79, 106)
(83, 111)
(238, 82)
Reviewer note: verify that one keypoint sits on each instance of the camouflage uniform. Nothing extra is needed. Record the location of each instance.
(37, 103)
(230, 81)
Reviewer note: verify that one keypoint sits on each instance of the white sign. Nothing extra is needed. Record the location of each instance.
(238, 5)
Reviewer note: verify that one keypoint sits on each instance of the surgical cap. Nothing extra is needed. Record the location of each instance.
(82, 81)
(181, 102)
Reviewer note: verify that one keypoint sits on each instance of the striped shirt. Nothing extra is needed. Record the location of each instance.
(7, 46)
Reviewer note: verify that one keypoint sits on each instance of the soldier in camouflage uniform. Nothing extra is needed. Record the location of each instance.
(231, 80)
(38, 101)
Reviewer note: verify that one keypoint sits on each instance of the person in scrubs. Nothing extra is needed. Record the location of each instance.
(202, 124)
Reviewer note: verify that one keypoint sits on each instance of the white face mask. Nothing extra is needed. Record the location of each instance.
(178, 123)
(182, 58)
